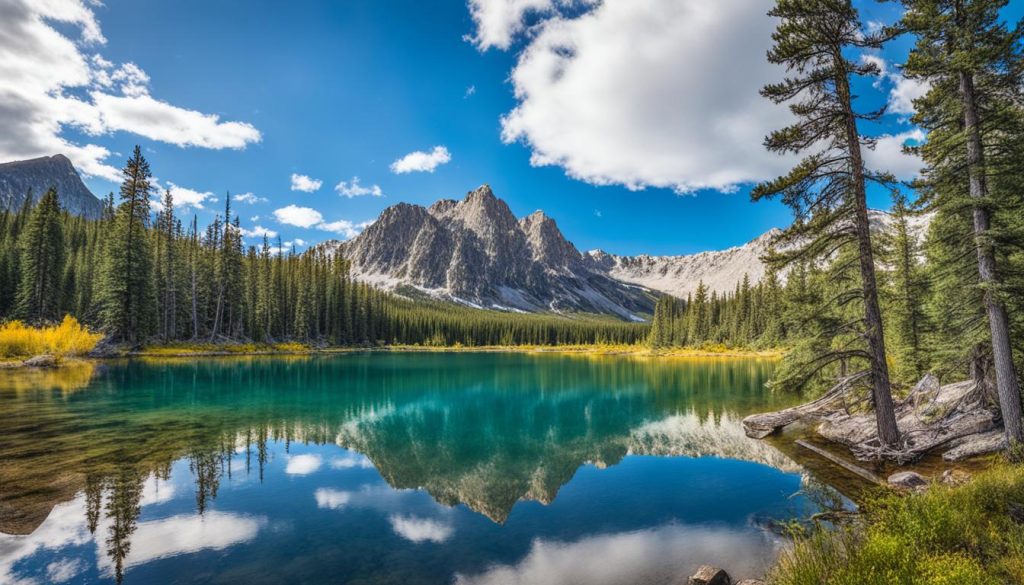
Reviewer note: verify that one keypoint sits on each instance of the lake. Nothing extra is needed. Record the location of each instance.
(404, 468)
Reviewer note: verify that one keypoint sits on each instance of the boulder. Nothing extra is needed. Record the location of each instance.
(42, 361)
(909, 480)
(976, 444)
(954, 477)
(750, 582)
(708, 575)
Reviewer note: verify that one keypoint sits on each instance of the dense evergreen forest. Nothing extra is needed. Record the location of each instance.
(145, 277)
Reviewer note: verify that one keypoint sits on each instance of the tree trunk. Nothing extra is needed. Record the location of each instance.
(1007, 386)
(885, 412)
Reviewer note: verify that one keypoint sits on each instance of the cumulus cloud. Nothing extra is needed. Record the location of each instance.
(888, 154)
(903, 91)
(259, 231)
(420, 161)
(498, 21)
(628, 93)
(303, 464)
(249, 198)
(52, 78)
(353, 460)
(185, 197)
(305, 183)
(354, 189)
(304, 217)
(420, 529)
(307, 217)
(332, 499)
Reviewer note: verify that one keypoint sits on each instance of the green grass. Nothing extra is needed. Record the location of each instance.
(961, 535)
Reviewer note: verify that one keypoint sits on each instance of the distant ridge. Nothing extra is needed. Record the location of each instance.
(37, 175)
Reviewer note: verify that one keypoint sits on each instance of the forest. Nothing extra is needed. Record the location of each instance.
(141, 276)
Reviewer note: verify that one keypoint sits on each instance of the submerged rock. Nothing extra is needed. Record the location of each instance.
(42, 361)
(708, 575)
(750, 582)
(910, 480)
(954, 477)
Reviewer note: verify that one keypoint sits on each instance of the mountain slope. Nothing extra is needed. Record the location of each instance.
(39, 174)
(477, 253)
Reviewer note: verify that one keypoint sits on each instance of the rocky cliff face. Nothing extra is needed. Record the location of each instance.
(37, 175)
(719, 270)
(476, 252)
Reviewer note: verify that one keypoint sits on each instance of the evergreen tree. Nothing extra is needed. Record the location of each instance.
(974, 65)
(827, 189)
(42, 261)
(125, 292)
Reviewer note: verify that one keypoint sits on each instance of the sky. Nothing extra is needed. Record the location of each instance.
(636, 124)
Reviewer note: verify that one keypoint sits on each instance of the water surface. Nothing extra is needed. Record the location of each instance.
(389, 468)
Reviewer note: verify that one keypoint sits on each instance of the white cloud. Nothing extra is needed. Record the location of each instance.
(259, 232)
(249, 198)
(629, 93)
(888, 155)
(470, 91)
(185, 197)
(351, 461)
(647, 556)
(332, 499)
(182, 534)
(354, 189)
(903, 91)
(63, 570)
(343, 227)
(304, 217)
(420, 529)
(305, 183)
(50, 81)
(420, 161)
(498, 21)
(303, 464)
(307, 217)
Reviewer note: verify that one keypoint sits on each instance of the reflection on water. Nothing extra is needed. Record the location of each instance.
(414, 468)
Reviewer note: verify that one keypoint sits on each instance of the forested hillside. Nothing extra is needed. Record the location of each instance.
(141, 277)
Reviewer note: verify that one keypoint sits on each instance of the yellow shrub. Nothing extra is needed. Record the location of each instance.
(70, 338)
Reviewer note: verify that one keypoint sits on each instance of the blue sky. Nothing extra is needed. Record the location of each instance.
(337, 90)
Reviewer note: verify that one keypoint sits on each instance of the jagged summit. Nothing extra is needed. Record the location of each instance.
(477, 252)
(37, 175)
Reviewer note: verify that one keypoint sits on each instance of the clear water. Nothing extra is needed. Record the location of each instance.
(389, 468)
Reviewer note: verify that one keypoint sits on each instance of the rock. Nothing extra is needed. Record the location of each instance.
(42, 361)
(976, 444)
(750, 582)
(954, 477)
(910, 480)
(708, 575)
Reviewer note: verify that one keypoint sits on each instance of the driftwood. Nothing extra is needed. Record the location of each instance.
(957, 417)
(864, 473)
(759, 426)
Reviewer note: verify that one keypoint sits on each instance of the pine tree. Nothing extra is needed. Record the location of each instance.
(827, 189)
(974, 65)
(125, 292)
(42, 262)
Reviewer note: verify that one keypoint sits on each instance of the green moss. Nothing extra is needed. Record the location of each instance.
(948, 535)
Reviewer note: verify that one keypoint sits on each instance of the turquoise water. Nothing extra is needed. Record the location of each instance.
(389, 468)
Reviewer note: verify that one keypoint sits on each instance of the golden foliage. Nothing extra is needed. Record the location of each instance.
(69, 338)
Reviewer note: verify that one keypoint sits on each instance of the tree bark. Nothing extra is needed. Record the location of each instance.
(885, 412)
(1007, 386)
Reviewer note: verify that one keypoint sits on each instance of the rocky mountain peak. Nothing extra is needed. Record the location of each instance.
(37, 175)
(477, 252)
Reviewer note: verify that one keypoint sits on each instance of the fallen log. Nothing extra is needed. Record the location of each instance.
(759, 426)
(860, 471)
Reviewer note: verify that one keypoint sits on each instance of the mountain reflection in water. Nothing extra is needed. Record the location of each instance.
(467, 468)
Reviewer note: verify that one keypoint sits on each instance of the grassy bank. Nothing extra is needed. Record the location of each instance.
(949, 535)
(214, 349)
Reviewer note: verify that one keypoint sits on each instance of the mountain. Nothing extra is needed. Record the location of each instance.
(719, 270)
(39, 174)
(476, 252)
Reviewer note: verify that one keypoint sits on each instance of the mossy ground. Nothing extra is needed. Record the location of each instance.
(971, 534)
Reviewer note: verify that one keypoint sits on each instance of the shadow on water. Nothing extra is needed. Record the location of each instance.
(490, 432)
